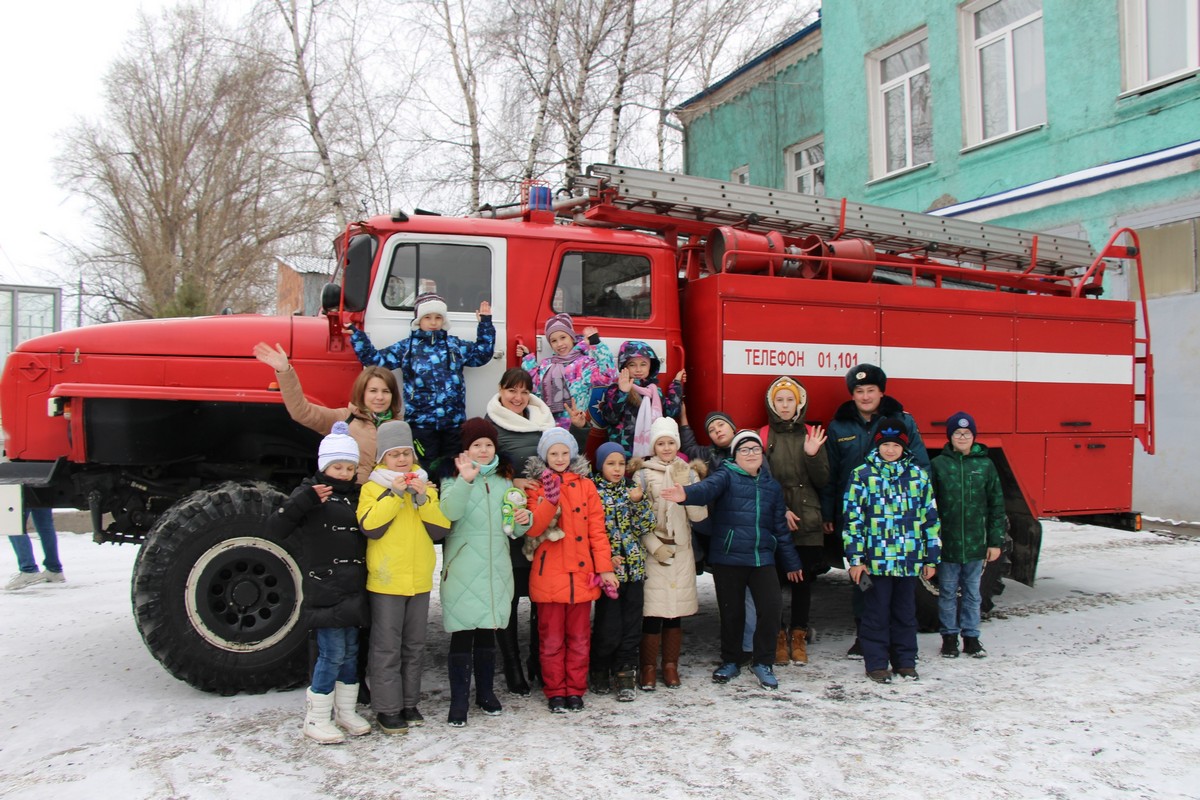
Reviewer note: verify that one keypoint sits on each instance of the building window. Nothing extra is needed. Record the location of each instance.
(1006, 67)
(1170, 259)
(27, 312)
(901, 105)
(806, 166)
(1161, 40)
(741, 174)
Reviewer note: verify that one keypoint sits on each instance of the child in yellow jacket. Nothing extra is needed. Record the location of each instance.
(399, 514)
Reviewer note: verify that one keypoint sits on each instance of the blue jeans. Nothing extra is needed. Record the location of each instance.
(337, 658)
(43, 520)
(959, 614)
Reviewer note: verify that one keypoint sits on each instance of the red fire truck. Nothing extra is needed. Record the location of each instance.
(177, 432)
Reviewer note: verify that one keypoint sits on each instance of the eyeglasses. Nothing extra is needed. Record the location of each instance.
(963, 434)
(752, 450)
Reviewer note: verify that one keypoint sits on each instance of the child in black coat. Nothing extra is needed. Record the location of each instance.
(323, 510)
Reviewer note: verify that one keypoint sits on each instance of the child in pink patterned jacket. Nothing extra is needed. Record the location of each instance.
(565, 378)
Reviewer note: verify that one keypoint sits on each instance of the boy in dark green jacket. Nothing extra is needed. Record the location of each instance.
(971, 506)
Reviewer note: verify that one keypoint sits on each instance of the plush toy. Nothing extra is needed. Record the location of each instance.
(514, 499)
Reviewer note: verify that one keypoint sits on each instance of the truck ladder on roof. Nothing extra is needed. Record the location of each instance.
(696, 205)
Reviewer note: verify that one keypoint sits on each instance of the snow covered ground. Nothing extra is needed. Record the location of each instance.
(1090, 690)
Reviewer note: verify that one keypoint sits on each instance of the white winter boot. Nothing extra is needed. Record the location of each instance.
(317, 719)
(345, 701)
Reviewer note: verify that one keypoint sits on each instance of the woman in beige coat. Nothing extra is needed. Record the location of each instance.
(670, 592)
(374, 399)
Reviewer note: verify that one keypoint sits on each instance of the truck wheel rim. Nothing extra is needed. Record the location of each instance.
(243, 594)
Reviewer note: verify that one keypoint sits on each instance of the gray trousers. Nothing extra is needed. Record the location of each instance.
(398, 625)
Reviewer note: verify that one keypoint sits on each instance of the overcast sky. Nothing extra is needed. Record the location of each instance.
(52, 59)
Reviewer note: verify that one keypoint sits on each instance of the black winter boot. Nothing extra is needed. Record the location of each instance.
(460, 689)
(972, 647)
(949, 645)
(485, 671)
(510, 655)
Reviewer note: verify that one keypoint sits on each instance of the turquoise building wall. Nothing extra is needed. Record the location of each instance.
(1088, 125)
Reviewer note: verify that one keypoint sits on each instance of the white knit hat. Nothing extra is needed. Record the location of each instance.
(426, 304)
(339, 445)
(664, 426)
(744, 437)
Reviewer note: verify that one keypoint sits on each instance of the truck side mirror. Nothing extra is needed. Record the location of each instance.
(357, 280)
(331, 295)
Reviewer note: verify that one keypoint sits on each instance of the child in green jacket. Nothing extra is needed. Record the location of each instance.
(971, 506)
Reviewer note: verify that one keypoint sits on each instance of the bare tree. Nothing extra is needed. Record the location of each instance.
(190, 197)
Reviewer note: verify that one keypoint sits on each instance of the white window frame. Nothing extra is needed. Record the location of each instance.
(794, 175)
(1135, 71)
(877, 113)
(972, 88)
(740, 175)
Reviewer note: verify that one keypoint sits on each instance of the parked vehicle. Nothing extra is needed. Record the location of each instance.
(173, 428)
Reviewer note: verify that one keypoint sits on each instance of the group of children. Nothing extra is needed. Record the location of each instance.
(620, 535)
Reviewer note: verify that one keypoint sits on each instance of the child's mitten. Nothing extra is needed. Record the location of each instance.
(551, 485)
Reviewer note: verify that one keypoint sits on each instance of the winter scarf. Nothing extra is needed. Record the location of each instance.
(555, 389)
(672, 518)
(551, 481)
(649, 410)
(537, 416)
(384, 478)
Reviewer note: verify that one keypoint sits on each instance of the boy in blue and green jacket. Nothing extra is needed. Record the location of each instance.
(891, 535)
(971, 505)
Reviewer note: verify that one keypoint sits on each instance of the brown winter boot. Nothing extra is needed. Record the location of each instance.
(648, 674)
(672, 641)
(799, 646)
(782, 656)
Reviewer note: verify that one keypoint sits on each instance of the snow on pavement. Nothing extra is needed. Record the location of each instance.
(1090, 689)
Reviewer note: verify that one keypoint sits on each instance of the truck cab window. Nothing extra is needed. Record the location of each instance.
(461, 274)
(614, 285)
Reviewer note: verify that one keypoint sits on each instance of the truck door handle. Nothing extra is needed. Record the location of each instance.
(1083, 423)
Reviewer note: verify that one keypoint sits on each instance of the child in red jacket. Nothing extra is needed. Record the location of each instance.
(571, 549)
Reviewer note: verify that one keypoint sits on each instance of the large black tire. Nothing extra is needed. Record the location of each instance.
(216, 601)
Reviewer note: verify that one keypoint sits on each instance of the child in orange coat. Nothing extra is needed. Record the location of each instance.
(572, 556)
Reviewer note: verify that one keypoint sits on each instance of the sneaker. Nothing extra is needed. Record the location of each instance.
(23, 579)
(855, 651)
(55, 577)
(765, 675)
(949, 645)
(907, 673)
(392, 723)
(880, 675)
(972, 647)
(412, 717)
(726, 672)
(574, 703)
(558, 705)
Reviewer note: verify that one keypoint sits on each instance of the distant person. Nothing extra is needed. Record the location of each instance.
(322, 511)
(971, 507)
(43, 521)
(890, 538)
(431, 363)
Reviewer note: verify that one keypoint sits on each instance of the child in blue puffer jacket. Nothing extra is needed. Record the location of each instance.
(431, 362)
(749, 531)
(891, 534)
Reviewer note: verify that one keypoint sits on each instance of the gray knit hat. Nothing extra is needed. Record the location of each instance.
(392, 435)
(553, 436)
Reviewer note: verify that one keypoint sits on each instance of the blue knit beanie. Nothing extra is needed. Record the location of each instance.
(958, 421)
(605, 450)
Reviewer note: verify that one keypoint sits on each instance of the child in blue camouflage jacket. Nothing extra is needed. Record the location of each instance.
(890, 537)
(430, 362)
